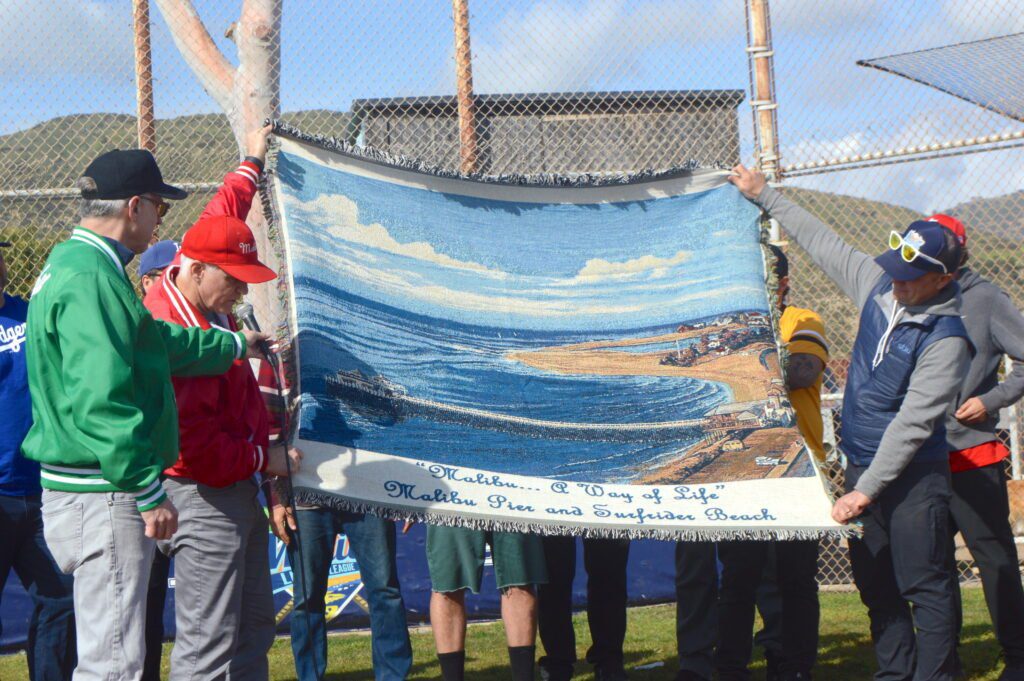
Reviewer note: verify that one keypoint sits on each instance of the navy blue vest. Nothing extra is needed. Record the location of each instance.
(874, 396)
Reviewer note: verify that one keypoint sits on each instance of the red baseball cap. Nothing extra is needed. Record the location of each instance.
(953, 225)
(228, 243)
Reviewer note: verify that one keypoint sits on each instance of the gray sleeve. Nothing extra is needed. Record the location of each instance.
(855, 272)
(1006, 325)
(937, 378)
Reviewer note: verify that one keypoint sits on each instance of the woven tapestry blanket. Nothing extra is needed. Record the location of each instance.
(584, 355)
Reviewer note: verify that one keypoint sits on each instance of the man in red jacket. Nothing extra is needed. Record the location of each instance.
(223, 600)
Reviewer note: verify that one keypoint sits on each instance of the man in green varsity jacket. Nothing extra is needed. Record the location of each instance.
(105, 423)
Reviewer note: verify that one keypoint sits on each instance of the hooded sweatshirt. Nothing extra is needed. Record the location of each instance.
(940, 368)
(996, 328)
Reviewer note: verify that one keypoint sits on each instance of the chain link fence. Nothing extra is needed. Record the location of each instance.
(528, 86)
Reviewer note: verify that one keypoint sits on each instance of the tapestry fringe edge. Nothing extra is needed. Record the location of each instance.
(311, 497)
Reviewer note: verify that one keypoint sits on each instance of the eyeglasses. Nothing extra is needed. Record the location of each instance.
(909, 252)
(161, 206)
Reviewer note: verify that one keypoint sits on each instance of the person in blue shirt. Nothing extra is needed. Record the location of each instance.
(152, 264)
(51, 634)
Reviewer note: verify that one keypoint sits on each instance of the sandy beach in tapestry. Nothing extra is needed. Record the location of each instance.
(615, 343)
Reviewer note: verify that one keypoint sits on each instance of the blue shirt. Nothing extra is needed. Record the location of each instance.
(126, 254)
(18, 475)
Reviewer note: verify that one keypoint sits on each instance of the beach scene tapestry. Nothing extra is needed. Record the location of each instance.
(587, 355)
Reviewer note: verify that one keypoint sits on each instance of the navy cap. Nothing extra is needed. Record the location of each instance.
(930, 239)
(158, 256)
(5, 244)
(124, 173)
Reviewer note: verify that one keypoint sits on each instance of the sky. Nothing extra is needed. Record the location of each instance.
(60, 57)
(521, 265)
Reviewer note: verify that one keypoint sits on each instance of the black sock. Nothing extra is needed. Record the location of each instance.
(521, 660)
(453, 665)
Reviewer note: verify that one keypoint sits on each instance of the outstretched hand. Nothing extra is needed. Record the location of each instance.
(849, 506)
(256, 142)
(750, 182)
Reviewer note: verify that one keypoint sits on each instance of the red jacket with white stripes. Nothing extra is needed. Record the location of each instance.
(223, 423)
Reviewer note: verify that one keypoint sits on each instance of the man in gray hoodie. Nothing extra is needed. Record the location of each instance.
(908, 362)
(976, 458)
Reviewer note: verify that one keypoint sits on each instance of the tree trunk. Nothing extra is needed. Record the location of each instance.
(248, 95)
(257, 97)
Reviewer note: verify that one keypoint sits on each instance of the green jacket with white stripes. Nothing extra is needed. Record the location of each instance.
(99, 371)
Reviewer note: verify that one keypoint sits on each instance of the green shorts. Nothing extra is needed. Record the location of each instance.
(455, 556)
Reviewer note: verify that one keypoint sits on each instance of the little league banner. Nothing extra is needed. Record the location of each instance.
(587, 355)
(649, 580)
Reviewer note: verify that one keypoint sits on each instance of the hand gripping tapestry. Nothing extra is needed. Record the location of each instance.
(584, 355)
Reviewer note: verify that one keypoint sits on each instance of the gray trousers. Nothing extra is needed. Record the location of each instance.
(100, 539)
(223, 603)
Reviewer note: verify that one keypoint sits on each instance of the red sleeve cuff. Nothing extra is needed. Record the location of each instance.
(250, 171)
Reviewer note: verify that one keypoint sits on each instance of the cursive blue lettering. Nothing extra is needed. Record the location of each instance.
(404, 490)
(718, 514)
(687, 493)
(500, 501)
(654, 495)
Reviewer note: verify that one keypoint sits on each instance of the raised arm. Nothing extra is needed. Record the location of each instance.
(856, 273)
(236, 192)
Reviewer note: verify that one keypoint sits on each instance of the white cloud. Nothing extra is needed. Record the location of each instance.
(925, 186)
(597, 269)
(558, 45)
(348, 261)
(972, 22)
(812, 17)
(408, 285)
(412, 287)
(57, 38)
(341, 215)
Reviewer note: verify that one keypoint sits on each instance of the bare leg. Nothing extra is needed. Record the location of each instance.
(448, 620)
(519, 613)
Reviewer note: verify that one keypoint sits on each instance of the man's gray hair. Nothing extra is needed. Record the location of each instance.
(97, 208)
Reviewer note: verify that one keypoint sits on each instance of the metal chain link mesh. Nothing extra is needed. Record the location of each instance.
(559, 86)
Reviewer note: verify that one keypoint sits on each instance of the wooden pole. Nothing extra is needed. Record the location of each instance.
(464, 88)
(763, 86)
(144, 77)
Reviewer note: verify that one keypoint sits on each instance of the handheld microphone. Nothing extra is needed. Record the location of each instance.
(244, 314)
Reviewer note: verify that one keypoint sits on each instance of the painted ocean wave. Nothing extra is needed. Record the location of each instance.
(468, 366)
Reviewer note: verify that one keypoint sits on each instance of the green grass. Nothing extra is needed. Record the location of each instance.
(844, 654)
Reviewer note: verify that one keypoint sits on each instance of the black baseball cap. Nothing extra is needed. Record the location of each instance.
(5, 244)
(124, 173)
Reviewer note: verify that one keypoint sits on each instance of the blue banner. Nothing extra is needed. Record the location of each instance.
(650, 581)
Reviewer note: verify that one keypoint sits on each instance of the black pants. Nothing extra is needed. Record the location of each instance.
(903, 559)
(156, 597)
(981, 512)
(605, 561)
(769, 606)
(743, 564)
(696, 606)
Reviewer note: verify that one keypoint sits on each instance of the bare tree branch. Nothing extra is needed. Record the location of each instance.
(193, 41)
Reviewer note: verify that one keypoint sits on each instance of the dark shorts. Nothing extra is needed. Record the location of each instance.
(455, 556)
